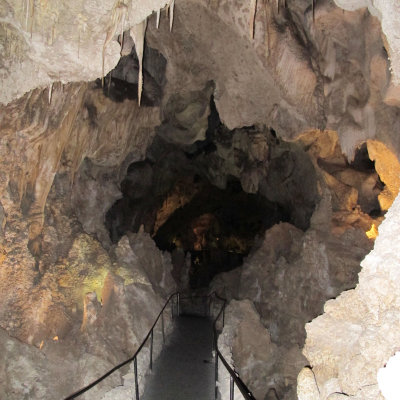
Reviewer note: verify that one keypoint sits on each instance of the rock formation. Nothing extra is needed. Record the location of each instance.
(347, 363)
(298, 101)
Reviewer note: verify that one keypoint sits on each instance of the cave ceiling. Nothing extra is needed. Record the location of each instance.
(304, 70)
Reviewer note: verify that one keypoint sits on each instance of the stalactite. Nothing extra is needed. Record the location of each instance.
(253, 10)
(313, 9)
(30, 11)
(50, 92)
(27, 5)
(138, 33)
(158, 18)
(118, 14)
(171, 14)
(267, 35)
(122, 30)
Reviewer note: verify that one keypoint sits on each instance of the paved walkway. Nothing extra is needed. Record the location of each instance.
(185, 368)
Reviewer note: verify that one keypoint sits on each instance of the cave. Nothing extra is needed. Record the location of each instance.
(200, 149)
(217, 227)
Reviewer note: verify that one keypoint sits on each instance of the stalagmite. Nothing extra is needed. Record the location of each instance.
(138, 33)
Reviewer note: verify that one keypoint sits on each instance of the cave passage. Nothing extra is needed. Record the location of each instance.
(215, 227)
(207, 203)
(185, 367)
(207, 200)
(218, 228)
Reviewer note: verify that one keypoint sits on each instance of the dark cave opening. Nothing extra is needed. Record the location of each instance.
(212, 197)
(218, 227)
(207, 200)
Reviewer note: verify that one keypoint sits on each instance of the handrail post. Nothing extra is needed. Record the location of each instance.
(162, 327)
(232, 388)
(223, 316)
(216, 374)
(151, 350)
(136, 379)
(177, 303)
(213, 342)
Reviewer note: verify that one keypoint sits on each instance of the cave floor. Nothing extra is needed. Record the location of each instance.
(185, 368)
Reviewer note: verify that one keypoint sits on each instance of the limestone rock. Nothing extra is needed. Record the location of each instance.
(83, 303)
(388, 168)
(307, 388)
(288, 277)
(252, 350)
(386, 11)
(186, 116)
(64, 42)
(361, 319)
(156, 264)
(94, 184)
(55, 370)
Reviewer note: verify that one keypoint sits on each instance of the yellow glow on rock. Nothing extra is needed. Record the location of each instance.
(373, 232)
(94, 282)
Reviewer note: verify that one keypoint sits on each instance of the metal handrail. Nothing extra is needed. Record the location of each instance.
(234, 376)
(134, 357)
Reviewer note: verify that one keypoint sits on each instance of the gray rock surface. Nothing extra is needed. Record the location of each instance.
(62, 42)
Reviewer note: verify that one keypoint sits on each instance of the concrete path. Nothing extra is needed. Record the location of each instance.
(185, 368)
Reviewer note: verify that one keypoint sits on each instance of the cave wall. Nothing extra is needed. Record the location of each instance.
(287, 278)
(60, 144)
(61, 163)
(363, 325)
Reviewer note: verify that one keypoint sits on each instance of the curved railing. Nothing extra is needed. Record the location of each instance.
(134, 357)
(234, 376)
